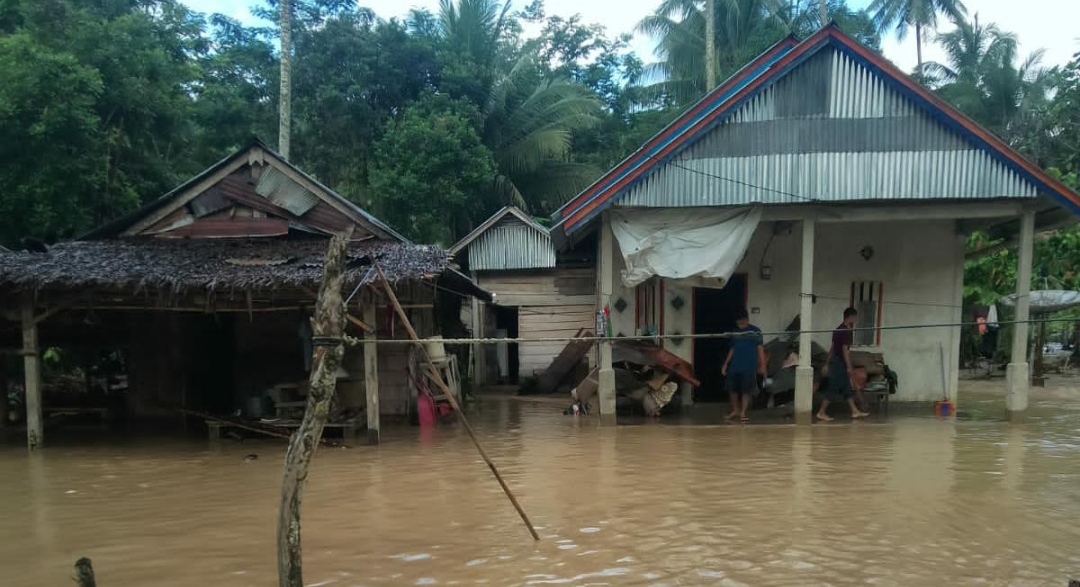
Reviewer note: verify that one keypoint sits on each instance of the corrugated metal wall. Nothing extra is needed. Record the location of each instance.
(511, 244)
(832, 131)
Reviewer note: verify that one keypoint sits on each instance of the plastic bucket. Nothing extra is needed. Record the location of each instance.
(436, 351)
(425, 408)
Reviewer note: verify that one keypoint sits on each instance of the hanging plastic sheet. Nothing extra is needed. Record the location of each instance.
(701, 244)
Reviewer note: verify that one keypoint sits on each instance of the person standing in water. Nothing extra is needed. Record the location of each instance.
(744, 361)
(838, 387)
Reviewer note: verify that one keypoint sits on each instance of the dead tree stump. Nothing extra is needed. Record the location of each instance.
(84, 573)
(328, 329)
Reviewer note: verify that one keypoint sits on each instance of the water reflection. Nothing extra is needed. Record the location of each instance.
(915, 501)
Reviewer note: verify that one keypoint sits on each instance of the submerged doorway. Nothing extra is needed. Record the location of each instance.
(506, 354)
(714, 312)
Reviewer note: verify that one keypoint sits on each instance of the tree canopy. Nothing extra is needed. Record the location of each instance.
(436, 120)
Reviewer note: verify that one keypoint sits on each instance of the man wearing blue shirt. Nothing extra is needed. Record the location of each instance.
(744, 362)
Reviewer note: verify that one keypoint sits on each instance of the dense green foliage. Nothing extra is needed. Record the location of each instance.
(436, 121)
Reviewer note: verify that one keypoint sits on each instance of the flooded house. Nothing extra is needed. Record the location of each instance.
(817, 177)
(199, 303)
(539, 293)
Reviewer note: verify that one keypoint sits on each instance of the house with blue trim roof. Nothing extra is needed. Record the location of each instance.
(817, 177)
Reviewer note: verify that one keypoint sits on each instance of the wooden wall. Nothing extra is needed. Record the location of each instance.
(550, 304)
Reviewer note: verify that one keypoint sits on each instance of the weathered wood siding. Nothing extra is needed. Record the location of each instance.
(548, 322)
(562, 287)
(550, 304)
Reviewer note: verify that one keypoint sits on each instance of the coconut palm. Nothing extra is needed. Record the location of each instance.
(527, 120)
(900, 15)
(743, 28)
(984, 77)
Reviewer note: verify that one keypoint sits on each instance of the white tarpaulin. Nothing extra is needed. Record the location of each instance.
(682, 243)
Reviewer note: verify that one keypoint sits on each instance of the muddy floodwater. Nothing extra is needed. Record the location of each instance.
(907, 501)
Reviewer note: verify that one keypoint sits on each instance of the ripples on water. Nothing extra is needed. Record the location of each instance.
(913, 501)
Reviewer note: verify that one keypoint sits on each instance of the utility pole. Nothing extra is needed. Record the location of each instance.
(285, 97)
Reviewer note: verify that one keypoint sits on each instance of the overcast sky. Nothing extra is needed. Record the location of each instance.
(1046, 24)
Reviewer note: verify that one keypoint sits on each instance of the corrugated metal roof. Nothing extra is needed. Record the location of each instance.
(511, 244)
(831, 131)
(283, 191)
(828, 116)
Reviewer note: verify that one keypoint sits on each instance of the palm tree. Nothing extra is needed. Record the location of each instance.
(899, 15)
(528, 124)
(686, 70)
(527, 120)
(983, 78)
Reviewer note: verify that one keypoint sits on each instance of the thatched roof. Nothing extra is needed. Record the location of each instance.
(192, 266)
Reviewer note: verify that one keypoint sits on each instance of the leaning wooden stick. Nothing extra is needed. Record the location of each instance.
(437, 378)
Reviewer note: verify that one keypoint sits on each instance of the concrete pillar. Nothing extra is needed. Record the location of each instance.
(953, 381)
(605, 275)
(32, 367)
(1018, 374)
(804, 373)
(371, 371)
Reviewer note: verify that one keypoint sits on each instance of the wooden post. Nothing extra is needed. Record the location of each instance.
(1018, 372)
(605, 275)
(476, 360)
(32, 367)
(371, 371)
(436, 378)
(3, 391)
(804, 373)
(328, 329)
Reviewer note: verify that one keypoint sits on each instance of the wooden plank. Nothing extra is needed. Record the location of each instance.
(32, 369)
(563, 364)
(555, 288)
(230, 228)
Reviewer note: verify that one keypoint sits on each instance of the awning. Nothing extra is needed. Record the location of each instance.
(1043, 301)
(705, 244)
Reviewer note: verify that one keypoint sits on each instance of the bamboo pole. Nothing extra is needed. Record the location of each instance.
(328, 328)
(436, 377)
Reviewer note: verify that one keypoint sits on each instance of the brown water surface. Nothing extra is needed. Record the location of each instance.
(908, 501)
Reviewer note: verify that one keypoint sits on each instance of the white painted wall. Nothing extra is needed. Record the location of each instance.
(920, 264)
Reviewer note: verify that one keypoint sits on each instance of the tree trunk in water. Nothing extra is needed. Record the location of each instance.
(710, 45)
(84, 573)
(328, 328)
(918, 49)
(285, 98)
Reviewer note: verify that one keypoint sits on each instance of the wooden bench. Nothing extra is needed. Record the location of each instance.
(103, 413)
(215, 427)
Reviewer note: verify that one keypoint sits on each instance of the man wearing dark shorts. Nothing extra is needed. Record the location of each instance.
(743, 363)
(838, 387)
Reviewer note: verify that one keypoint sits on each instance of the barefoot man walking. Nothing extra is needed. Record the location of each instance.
(838, 387)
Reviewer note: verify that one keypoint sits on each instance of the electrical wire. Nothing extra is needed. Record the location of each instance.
(715, 335)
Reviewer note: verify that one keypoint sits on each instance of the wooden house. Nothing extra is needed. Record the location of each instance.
(539, 293)
(206, 293)
(817, 177)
